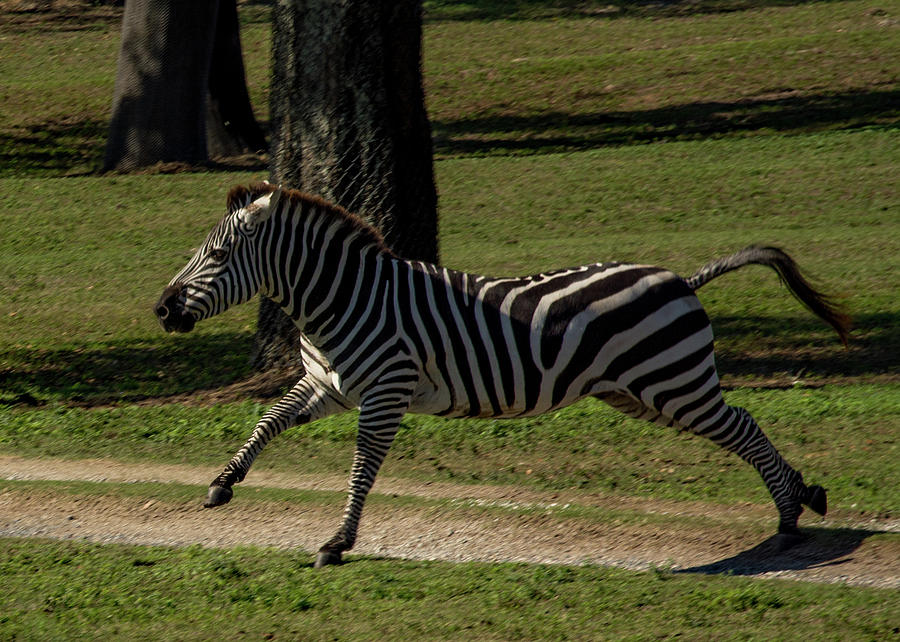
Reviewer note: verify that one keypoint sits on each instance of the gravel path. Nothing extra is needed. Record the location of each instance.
(654, 533)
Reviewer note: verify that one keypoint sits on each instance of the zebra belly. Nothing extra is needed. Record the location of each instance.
(435, 399)
(438, 404)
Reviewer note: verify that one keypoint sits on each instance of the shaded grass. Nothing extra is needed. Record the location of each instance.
(844, 438)
(552, 131)
(53, 147)
(479, 10)
(76, 590)
(125, 370)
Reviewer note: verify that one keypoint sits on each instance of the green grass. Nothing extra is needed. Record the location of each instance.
(130, 242)
(72, 590)
(75, 325)
(570, 83)
(843, 437)
(528, 77)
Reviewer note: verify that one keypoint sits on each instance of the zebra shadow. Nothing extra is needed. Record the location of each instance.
(824, 547)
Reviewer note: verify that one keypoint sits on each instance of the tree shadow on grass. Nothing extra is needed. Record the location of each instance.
(84, 16)
(53, 147)
(474, 10)
(806, 347)
(92, 15)
(76, 148)
(124, 371)
(824, 547)
(58, 148)
(562, 131)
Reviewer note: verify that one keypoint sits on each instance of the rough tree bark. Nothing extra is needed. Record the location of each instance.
(349, 124)
(180, 89)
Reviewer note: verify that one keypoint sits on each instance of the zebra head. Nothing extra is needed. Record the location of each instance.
(225, 270)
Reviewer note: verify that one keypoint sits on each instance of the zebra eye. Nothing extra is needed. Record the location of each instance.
(218, 255)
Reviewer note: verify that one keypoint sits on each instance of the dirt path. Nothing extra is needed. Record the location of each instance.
(683, 536)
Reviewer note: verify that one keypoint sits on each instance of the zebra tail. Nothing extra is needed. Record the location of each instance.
(824, 306)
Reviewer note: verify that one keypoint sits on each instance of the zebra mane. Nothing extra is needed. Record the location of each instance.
(351, 223)
(241, 196)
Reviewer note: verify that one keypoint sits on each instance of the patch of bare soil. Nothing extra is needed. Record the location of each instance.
(66, 15)
(653, 534)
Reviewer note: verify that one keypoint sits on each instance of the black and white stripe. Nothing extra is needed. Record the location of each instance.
(390, 336)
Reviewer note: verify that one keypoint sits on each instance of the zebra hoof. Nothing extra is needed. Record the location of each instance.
(328, 558)
(217, 496)
(818, 500)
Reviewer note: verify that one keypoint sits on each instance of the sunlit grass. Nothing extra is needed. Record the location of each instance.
(76, 590)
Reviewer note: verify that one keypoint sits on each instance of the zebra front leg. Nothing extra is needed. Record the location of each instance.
(305, 402)
(379, 420)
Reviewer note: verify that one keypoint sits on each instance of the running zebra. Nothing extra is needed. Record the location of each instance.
(390, 336)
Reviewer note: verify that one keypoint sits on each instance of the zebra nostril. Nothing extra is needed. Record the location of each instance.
(167, 305)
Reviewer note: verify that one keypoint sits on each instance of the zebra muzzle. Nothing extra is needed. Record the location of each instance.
(171, 313)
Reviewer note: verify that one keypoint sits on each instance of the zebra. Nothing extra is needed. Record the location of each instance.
(390, 336)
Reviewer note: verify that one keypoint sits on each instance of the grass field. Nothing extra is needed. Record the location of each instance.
(565, 133)
(247, 593)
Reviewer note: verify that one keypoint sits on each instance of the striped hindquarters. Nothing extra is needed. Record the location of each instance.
(520, 346)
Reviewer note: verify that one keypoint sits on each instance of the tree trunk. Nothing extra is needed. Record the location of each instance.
(159, 103)
(231, 127)
(349, 124)
(179, 73)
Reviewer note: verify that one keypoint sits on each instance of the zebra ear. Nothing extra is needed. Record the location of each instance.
(241, 196)
(260, 209)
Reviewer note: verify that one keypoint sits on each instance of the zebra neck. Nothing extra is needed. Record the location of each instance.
(328, 277)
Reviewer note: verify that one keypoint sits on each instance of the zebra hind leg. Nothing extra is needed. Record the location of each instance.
(735, 430)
